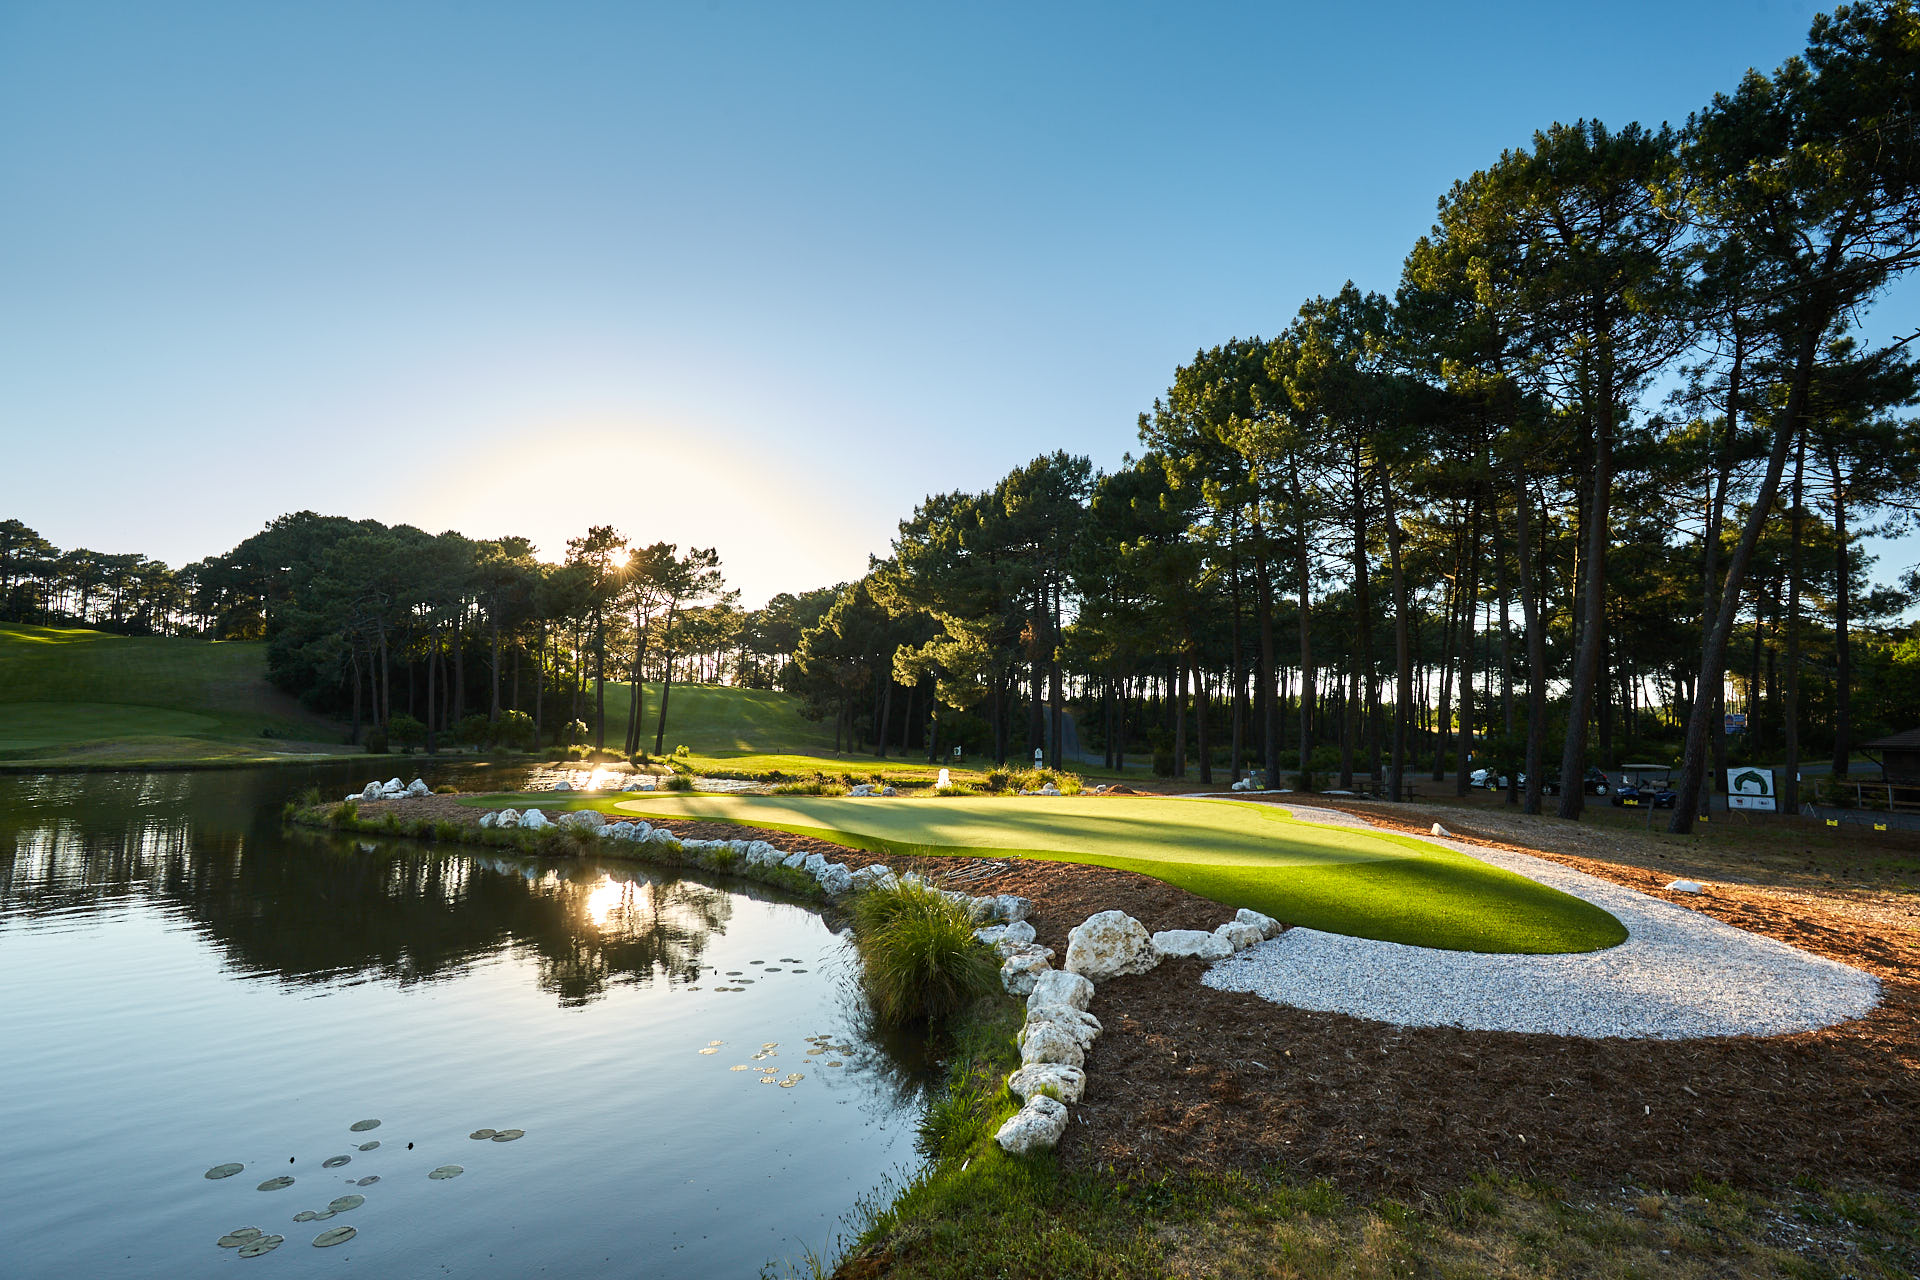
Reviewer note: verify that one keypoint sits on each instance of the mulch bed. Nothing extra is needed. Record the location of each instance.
(1187, 1078)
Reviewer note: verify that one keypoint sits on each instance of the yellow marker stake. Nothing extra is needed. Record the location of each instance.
(1879, 826)
(1833, 822)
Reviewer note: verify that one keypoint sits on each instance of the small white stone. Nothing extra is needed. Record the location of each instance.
(1195, 943)
(1048, 1079)
(1038, 1126)
(1439, 830)
(1239, 936)
(1021, 971)
(1057, 986)
(534, 820)
(1110, 944)
(1686, 886)
(1267, 925)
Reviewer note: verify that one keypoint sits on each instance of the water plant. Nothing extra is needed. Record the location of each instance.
(919, 959)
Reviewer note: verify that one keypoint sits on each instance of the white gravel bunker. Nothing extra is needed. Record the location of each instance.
(1679, 974)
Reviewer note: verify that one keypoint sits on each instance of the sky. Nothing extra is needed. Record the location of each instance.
(752, 276)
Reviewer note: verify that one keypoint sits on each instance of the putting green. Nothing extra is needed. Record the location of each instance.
(1360, 882)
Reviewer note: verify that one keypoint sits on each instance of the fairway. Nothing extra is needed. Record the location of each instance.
(1362, 883)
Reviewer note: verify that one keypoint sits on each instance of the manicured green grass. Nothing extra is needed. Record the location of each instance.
(74, 696)
(1359, 882)
(718, 720)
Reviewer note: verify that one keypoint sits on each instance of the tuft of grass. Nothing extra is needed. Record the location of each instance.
(811, 787)
(677, 782)
(918, 956)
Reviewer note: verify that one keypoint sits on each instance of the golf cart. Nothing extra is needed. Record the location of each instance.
(1646, 784)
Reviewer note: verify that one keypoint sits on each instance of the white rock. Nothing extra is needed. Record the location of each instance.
(1051, 1042)
(1048, 1079)
(836, 880)
(1008, 950)
(1439, 830)
(1078, 1023)
(534, 820)
(1012, 907)
(867, 877)
(1057, 986)
(563, 785)
(372, 792)
(864, 789)
(393, 784)
(1239, 936)
(762, 854)
(814, 864)
(794, 860)
(1108, 945)
(419, 788)
(1038, 1126)
(585, 818)
(507, 818)
(888, 791)
(488, 818)
(640, 782)
(1183, 943)
(1686, 886)
(1048, 790)
(912, 878)
(991, 934)
(1021, 971)
(1267, 925)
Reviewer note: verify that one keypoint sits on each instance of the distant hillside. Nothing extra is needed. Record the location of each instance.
(715, 719)
(74, 696)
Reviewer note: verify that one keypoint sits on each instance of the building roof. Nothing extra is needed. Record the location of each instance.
(1908, 741)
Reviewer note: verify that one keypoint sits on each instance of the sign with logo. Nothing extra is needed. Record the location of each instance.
(1736, 722)
(1750, 788)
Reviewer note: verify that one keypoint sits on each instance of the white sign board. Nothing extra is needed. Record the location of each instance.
(1749, 788)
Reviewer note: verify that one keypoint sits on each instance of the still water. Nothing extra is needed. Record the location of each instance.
(186, 984)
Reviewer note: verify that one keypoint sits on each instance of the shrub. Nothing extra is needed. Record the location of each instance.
(573, 733)
(682, 752)
(1034, 779)
(406, 732)
(576, 752)
(376, 742)
(345, 816)
(447, 830)
(515, 730)
(678, 782)
(472, 731)
(998, 779)
(919, 959)
(955, 789)
(810, 787)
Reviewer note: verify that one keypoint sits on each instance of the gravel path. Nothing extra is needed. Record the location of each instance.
(1679, 974)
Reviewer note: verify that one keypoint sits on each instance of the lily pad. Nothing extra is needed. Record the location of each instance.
(361, 1126)
(368, 1146)
(265, 1244)
(320, 1215)
(836, 1064)
(481, 1135)
(368, 1181)
(305, 1215)
(239, 1236)
(446, 1171)
(799, 970)
(771, 969)
(333, 1236)
(740, 1067)
(275, 1184)
(768, 1080)
(508, 1135)
(705, 1052)
(715, 1044)
(342, 1204)
(224, 1171)
(334, 1162)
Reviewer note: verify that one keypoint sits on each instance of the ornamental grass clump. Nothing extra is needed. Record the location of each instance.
(919, 959)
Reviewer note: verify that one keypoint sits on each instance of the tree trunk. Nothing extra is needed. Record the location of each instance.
(1469, 615)
(1586, 663)
(666, 684)
(1536, 650)
(1402, 646)
(1201, 744)
(1796, 520)
(1842, 640)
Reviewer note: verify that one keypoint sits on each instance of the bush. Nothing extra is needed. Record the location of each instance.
(1163, 763)
(919, 959)
(345, 816)
(576, 752)
(515, 731)
(955, 789)
(678, 782)
(998, 779)
(472, 731)
(810, 787)
(376, 742)
(406, 732)
(573, 733)
(682, 752)
(448, 830)
(1068, 784)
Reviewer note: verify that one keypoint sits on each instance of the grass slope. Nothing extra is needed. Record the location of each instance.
(75, 696)
(1346, 880)
(717, 720)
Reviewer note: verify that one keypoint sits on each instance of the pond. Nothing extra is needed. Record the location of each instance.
(189, 985)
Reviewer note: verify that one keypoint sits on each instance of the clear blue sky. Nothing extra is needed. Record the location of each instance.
(754, 276)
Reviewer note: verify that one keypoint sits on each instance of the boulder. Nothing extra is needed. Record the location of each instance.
(888, 791)
(1048, 1080)
(639, 782)
(1048, 790)
(1021, 971)
(1239, 936)
(507, 818)
(372, 792)
(1439, 830)
(1196, 943)
(814, 864)
(534, 820)
(836, 880)
(1013, 937)
(1267, 925)
(1685, 886)
(864, 789)
(991, 934)
(1057, 986)
(393, 785)
(488, 818)
(981, 910)
(1110, 944)
(1011, 907)
(761, 854)
(1038, 1126)
(586, 819)
(1078, 1023)
(1051, 1042)
(870, 877)
(563, 785)
(795, 860)
(419, 788)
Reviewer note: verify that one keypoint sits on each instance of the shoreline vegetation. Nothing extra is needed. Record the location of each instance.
(1295, 1144)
